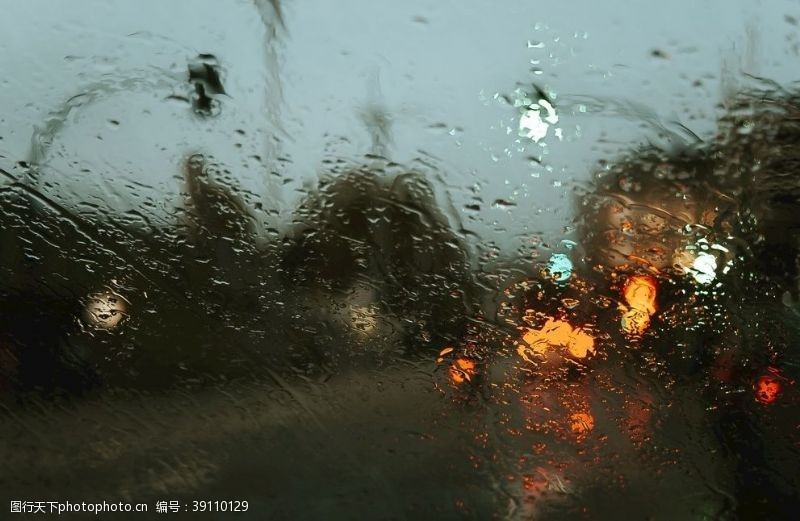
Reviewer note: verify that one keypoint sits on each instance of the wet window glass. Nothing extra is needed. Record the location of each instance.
(272, 259)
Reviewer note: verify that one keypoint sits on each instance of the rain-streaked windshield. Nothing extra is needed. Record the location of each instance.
(281, 259)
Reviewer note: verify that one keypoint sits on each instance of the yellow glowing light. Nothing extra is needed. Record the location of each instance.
(635, 321)
(462, 370)
(581, 343)
(555, 334)
(639, 293)
(105, 309)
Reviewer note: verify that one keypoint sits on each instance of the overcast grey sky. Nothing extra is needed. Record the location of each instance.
(435, 67)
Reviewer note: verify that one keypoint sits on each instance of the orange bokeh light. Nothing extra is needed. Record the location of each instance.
(555, 334)
(639, 293)
(462, 370)
(767, 389)
(581, 423)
